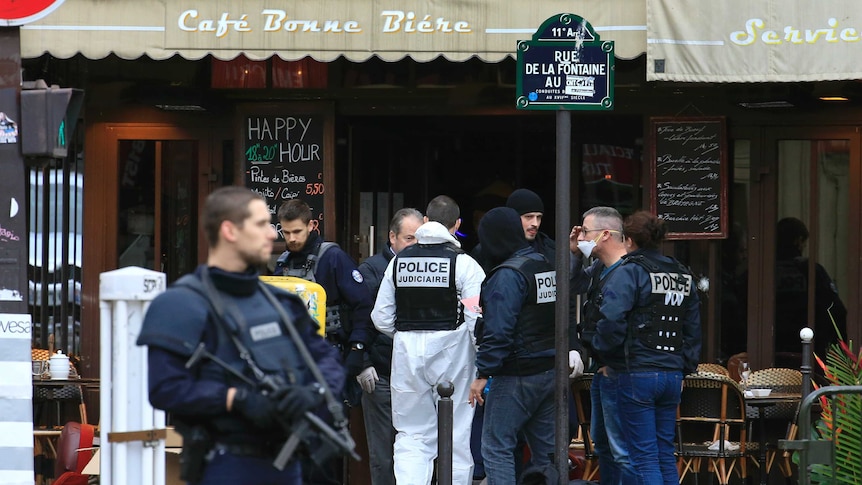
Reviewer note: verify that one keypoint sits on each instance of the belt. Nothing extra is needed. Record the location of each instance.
(247, 449)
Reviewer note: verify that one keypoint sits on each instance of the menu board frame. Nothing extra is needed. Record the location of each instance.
(318, 112)
(689, 135)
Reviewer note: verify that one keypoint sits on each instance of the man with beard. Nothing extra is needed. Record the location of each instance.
(517, 349)
(348, 300)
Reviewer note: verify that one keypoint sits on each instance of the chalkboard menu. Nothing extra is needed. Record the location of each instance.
(284, 160)
(689, 175)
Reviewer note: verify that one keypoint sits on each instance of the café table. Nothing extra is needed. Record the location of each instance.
(760, 403)
(57, 391)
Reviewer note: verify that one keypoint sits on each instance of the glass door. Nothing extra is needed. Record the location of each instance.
(809, 236)
(157, 205)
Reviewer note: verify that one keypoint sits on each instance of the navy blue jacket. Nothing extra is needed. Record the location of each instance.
(180, 318)
(380, 350)
(343, 283)
(629, 288)
(503, 296)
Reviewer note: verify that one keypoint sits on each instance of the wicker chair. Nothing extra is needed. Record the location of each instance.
(713, 368)
(581, 393)
(781, 418)
(711, 415)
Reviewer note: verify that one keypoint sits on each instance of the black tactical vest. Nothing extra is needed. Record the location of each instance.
(535, 322)
(258, 326)
(671, 293)
(425, 294)
(306, 270)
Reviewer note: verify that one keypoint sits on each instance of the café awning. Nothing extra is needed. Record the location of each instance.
(754, 41)
(322, 29)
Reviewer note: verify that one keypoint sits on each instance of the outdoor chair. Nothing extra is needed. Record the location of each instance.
(711, 427)
(780, 418)
(713, 368)
(583, 404)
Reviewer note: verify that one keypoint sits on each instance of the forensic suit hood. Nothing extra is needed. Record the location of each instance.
(501, 234)
(435, 233)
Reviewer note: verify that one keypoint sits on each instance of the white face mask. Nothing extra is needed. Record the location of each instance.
(586, 247)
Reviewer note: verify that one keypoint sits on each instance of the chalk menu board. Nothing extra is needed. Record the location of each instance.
(689, 174)
(284, 160)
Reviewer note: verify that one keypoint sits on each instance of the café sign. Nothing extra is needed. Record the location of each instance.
(565, 66)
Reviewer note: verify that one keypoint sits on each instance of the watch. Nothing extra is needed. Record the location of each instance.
(358, 346)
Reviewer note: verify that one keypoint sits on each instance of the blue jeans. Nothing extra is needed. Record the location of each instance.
(517, 404)
(647, 407)
(228, 469)
(606, 429)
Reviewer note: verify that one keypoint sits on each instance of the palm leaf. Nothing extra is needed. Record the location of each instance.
(841, 418)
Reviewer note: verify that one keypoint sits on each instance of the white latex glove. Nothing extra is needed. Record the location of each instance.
(576, 365)
(368, 378)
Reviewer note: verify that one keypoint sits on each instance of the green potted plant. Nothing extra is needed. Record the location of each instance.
(841, 417)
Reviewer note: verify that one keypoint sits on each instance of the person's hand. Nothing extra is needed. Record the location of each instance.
(573, 240)
(367, 379)
(477, 388)
(259, 409)
(576, 364)
(294, 401)
(354, 363)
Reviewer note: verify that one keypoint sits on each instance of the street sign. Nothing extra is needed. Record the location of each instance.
(18, 12)
(565, 66)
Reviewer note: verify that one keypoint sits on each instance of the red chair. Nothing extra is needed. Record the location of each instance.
(74, 451)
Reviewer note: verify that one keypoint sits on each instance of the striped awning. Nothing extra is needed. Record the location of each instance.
(323, 29)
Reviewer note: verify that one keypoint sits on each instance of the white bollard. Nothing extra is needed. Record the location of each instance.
(124, 296)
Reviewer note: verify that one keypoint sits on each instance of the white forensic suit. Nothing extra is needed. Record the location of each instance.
(421, 359)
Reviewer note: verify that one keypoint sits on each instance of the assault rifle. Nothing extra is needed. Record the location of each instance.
(309, 429)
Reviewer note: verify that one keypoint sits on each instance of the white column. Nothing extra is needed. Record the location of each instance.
(16, 406)
(124, 295)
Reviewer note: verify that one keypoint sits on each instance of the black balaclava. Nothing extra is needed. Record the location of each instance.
(501, 234)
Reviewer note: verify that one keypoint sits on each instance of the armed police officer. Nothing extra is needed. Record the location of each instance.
(258, 331)
(419, 302)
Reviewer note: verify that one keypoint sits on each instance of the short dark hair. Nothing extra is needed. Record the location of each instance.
(400, 215)
(226, 204)
(443, 209)
(645, 229)
(294, 209)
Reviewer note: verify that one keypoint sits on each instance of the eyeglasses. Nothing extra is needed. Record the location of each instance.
(586, 230)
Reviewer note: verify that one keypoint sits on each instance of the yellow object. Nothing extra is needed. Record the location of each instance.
(311, 293)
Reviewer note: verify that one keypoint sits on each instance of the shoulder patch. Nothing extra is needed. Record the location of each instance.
(357, 276)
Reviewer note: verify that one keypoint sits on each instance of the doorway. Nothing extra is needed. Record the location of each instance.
(804, 223)
(147, 182)
(157, 216)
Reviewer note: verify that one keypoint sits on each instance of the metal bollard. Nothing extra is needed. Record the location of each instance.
(806, 334)
(444, 433)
